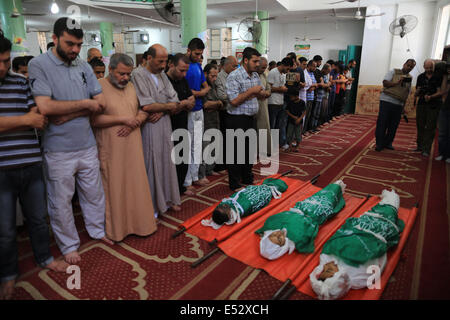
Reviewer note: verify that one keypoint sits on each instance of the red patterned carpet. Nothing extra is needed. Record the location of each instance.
(158, 267)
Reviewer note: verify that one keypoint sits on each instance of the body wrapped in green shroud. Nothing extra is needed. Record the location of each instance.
(255, 197)
(302, 222)
(367, 237)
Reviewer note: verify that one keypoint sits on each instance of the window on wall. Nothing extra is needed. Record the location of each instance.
(214, 44)
(118, 43)
(226, 42)
(448, 34)
(219, 43)
(42, 40)
(443, 32)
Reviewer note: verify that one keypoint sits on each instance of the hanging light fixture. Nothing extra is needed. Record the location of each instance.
(54, 8)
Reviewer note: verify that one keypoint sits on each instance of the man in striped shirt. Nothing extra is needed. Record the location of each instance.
(20, 174)
(310, 103)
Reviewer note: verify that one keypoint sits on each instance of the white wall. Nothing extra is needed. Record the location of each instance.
(169, 38)
(175, 41)
(282, 37)
(33, 44)
(419, 40)
(377, 49)
(382, 51)
(156, 35)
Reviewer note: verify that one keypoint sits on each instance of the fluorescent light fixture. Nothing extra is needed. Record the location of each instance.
(54, 8)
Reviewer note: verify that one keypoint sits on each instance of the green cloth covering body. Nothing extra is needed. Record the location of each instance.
(367, 237)
(323, 204)
(302, 227)
(255, 197)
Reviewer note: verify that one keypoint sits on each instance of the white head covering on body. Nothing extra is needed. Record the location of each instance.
(332, 288)
(272, 251)
(390, 197)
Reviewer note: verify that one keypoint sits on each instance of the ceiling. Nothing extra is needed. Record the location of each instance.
(218, 11)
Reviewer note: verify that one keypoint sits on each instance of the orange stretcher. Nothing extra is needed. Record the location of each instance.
(244, 245)
(240, 241)
(393, 256)
(194, 226)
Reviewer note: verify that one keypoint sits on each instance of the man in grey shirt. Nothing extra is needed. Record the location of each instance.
(277, 80)
(229, 65)
(66, 90)
(396, 88)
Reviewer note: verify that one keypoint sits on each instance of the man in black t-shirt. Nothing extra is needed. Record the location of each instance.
(177, 76)
(429, 95)
(296, 112)
(295, 80)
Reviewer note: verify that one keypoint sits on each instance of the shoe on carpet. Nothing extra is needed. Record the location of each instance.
(285, 147)
(390, 147)
(378, 149)
(425, 154)
(447, 160)
(417, 150)
(439, 158)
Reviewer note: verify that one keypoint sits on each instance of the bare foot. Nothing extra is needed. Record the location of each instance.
(72, 257)
(202, 182)
(239, 189)
(58, 266)
(190, 190)
(175, 208)
(107, 241)
(7, 289)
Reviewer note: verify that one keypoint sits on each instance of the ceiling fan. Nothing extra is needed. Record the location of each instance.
(306, 38)
(256, 18)
(166, 9)
(126, 31)
(358, 14)
(342, 1)
(28, 30)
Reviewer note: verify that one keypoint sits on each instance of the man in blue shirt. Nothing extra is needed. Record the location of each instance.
(197, 82)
